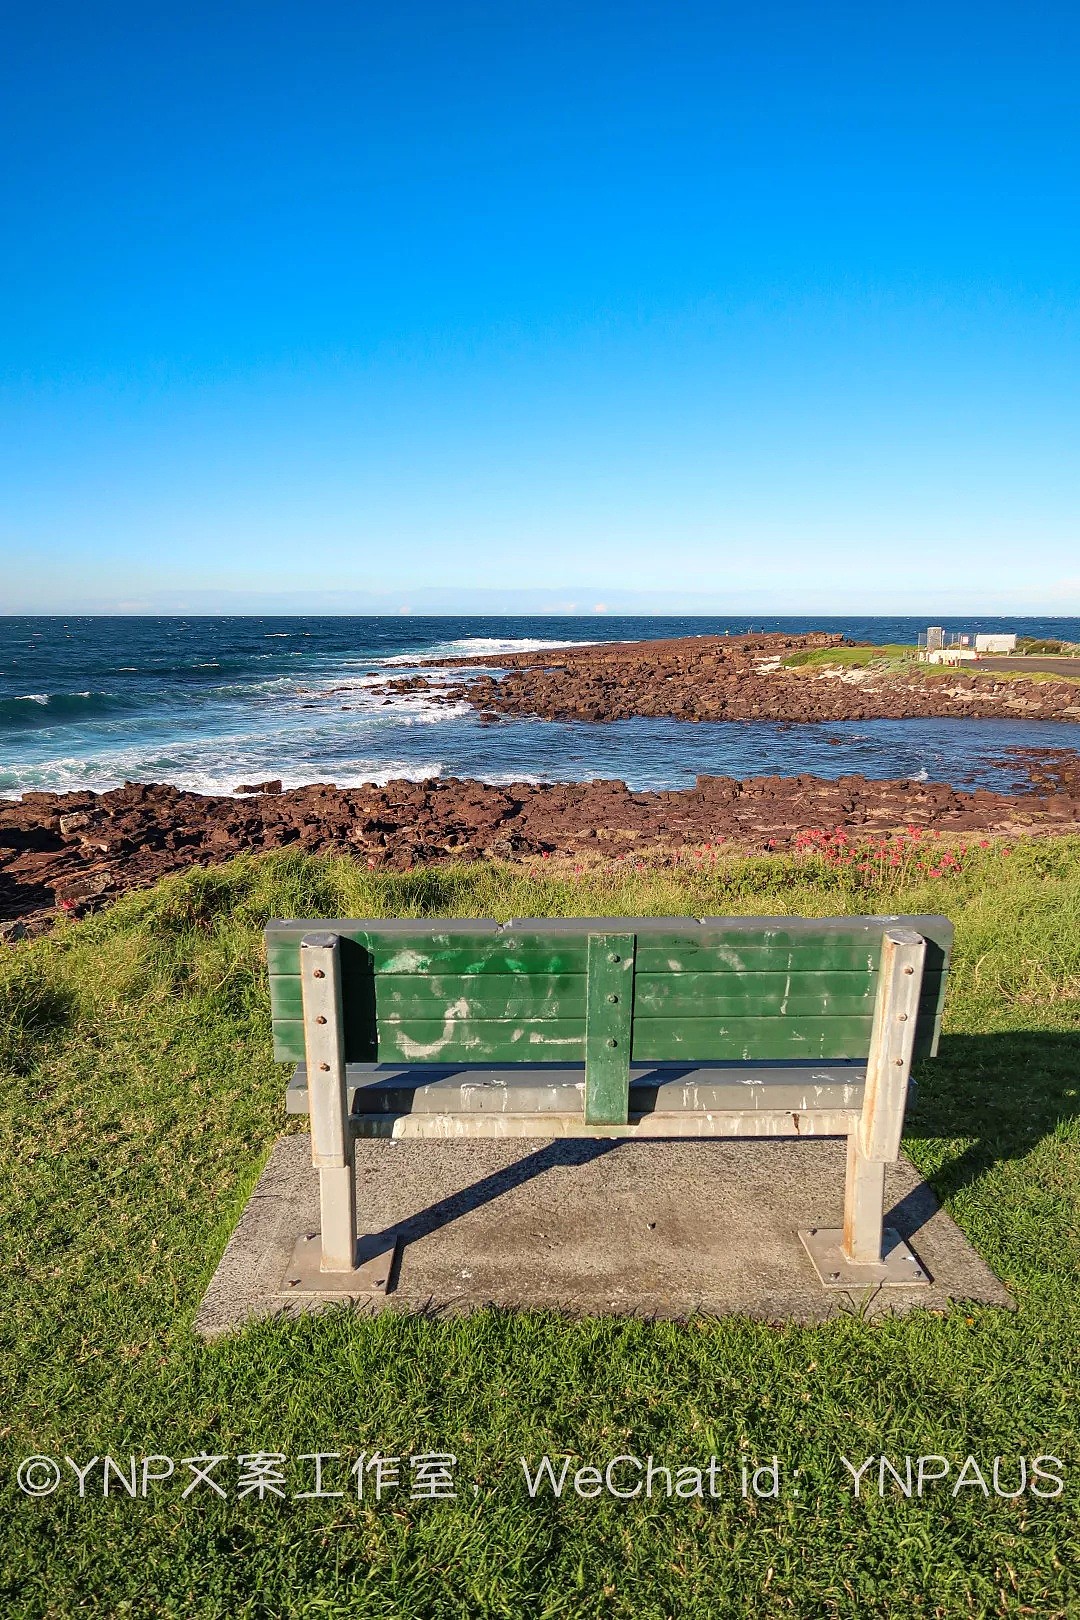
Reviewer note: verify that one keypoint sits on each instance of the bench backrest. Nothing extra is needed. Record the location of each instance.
(683, 990)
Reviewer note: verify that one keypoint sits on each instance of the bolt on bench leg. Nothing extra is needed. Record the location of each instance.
(864, 1252)
(332, 1261)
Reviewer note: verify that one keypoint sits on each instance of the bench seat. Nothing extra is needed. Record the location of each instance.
(553, 1088)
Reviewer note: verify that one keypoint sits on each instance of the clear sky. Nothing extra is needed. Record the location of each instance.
(481, 305)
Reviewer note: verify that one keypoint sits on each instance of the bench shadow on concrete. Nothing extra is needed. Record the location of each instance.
(488, 1188)
(1007, 1091)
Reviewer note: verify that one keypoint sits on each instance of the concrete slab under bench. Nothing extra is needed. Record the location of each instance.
(637, 1227)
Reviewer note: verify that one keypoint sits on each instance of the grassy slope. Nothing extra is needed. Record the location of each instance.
(139, 1103)
(890, 656)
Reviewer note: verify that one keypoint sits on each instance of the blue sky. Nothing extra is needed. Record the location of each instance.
(550, 306)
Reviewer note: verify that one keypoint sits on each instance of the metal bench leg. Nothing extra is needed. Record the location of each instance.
(328, 1100)
(337, 1206)
(864, 1252)
(864, 1196)
(333, 1260)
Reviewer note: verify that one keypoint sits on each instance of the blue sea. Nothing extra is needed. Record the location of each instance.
(209, 703)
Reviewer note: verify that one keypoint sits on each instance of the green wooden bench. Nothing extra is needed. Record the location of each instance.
(608, 1027)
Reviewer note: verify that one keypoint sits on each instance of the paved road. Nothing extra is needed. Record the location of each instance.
(1026, 666)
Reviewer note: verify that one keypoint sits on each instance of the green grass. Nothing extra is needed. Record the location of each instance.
(892, 656)
(139, 1103)
(1041, 677)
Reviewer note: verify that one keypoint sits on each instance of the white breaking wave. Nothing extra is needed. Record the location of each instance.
(504, 778)
(221, 777)
(221, 780)
(402, 708)
(343, 774)
(478, 647)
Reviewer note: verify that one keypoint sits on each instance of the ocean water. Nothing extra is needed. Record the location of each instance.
(209, 703)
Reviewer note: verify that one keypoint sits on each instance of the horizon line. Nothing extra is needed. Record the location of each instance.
(549, 613)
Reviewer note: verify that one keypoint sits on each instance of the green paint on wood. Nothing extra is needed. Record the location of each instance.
(521, 953)
(478, 1040)
(667, 995)
(608, 1023)
(745, 1040)
(698, 1040)
(289, 1041)
(753, 956)
(513, 996)
(432, 994)
(496, 995)
(397, 956)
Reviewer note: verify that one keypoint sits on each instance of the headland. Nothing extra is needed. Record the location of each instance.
(799, 679)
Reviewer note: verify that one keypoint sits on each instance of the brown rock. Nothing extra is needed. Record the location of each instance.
(154, 829)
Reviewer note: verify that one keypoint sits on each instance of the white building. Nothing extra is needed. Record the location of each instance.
(938, 646)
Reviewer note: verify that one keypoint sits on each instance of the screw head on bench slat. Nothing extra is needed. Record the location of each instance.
(319, 974)
(320, 1019)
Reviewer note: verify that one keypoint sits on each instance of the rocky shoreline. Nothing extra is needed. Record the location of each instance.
(67, 853)
(720, 678)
